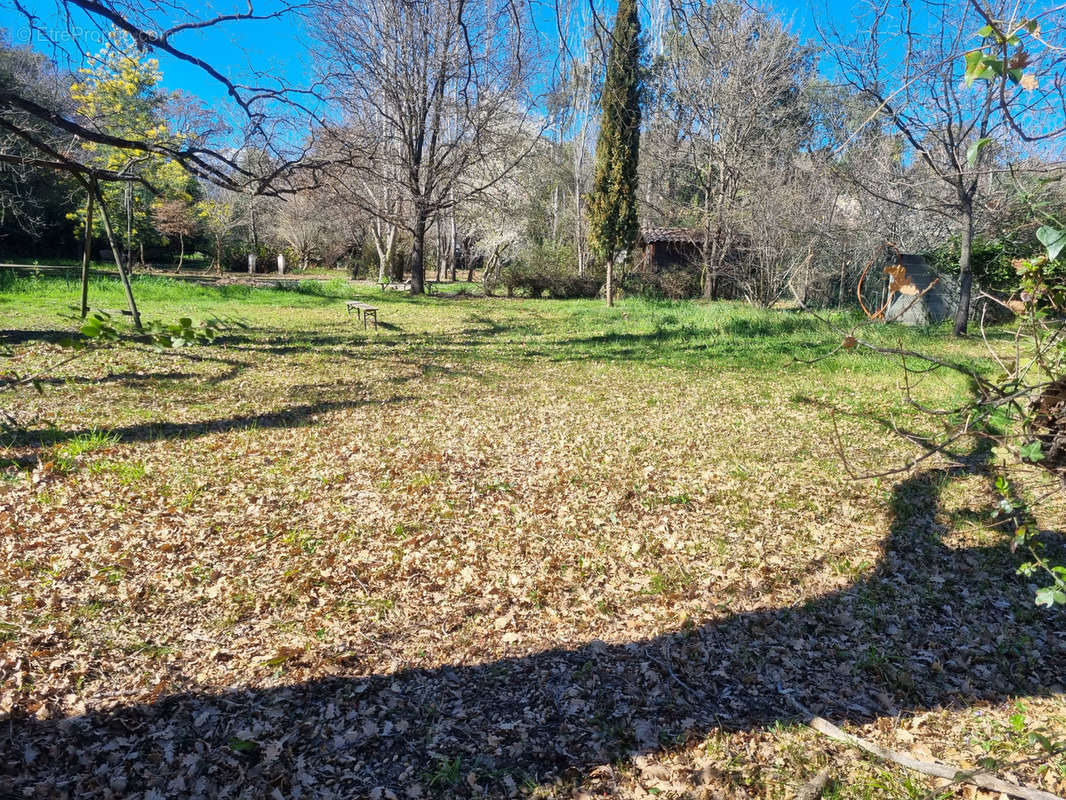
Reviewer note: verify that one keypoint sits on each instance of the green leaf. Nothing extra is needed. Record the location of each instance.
(1043, 741)
(973, 66)
(1050, 596)
(241, 745)
(973, 152)
(1031, 451)
(1053, 240)
(985, 31)
(981, 66)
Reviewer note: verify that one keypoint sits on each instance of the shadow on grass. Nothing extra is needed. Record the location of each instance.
(50, 336)
(291, 417)
(930, 627)
(117, 377)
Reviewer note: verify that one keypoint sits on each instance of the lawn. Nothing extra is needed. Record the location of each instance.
(496, 548)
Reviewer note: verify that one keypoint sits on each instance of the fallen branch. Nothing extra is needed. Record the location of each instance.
(946, 771)
(812, 789)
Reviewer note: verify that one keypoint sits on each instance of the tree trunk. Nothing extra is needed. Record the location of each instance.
(440, 251)
(840, 288)
(579, 241)
(129, 224)
(418, 254)
(453, 250)
(610, 281)
(181, 251)
(118, 263)
(86, 252)
(962, 314)
(708, 283)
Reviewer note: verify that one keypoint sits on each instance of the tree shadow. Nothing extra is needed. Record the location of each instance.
(931, 626)
(298, 342)
(11, 337)
(296, 416)
(116, 377)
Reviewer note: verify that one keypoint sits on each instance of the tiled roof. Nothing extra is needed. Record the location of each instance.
(674, 235)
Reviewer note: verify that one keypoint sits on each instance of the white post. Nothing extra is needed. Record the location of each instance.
(251, 263)
(281, 263)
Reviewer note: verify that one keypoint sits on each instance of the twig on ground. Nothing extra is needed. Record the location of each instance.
(666, 665)
(945, 771)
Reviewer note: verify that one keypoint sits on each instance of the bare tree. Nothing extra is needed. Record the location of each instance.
(908, 59)
(175, 217)
(434, 95)
(266, 111)
(51, 134)
(728, 127)
(221, 212)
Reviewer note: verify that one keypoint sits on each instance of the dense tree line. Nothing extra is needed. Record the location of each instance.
(457, 144)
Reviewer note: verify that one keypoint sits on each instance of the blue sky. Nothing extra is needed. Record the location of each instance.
(277, 47)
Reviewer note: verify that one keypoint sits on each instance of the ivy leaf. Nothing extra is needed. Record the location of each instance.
(1031, 452)
(973, 152)
(1050, 596)
(1053, 240)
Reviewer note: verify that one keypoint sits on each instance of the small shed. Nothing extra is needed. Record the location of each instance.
(667, 249)
(926, 297)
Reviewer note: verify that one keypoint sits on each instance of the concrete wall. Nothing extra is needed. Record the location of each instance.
(936, 305)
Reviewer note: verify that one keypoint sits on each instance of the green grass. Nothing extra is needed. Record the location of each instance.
(475, 480)
(67, 454)
(638, 332)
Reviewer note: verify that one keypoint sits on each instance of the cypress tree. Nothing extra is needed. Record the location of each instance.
(612, 206)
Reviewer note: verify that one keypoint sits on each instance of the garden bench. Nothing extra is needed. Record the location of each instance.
(364, 311)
